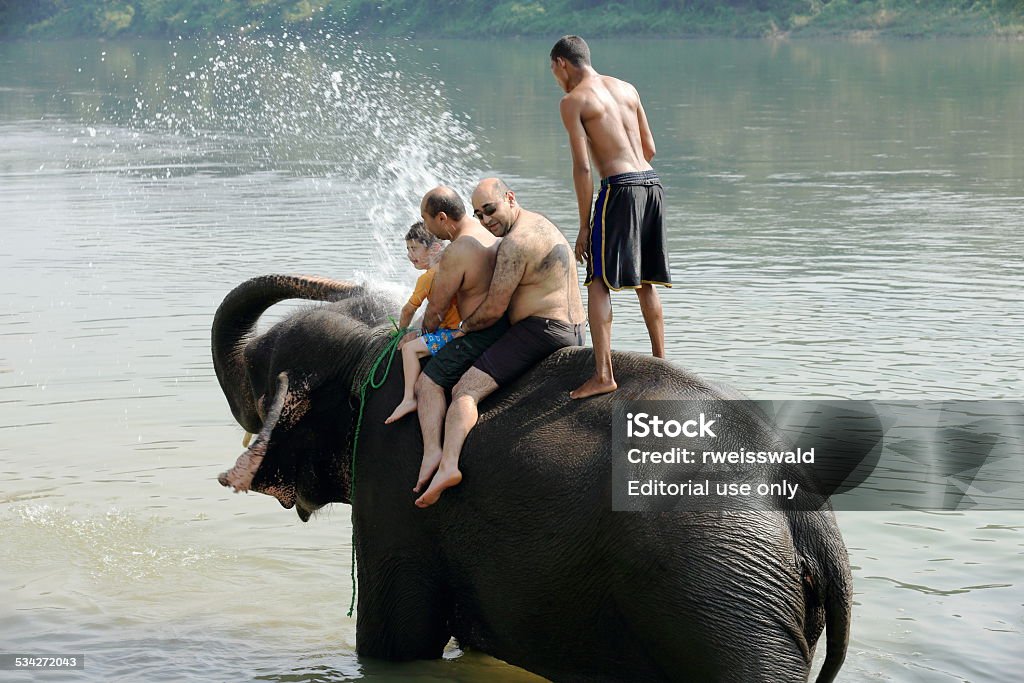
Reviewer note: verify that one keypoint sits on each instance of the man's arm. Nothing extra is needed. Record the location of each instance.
(446, 285)
(508, 273)
(646, 136)
(408, 311)
(582, 180)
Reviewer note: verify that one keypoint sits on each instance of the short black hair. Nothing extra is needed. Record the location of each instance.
(419, 233)
(572, 49)
(447, 200)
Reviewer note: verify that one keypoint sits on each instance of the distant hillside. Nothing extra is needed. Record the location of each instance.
(476, 18)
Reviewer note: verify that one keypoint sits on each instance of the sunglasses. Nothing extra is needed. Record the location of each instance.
(487, 209)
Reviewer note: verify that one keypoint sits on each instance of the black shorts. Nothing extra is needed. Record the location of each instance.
(628, 248)
(526, 343)
(447, 366)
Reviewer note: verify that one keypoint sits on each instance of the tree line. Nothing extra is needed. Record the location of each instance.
(476, 18)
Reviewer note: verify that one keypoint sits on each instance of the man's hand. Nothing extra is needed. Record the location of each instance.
(408, 338)
(583, 246)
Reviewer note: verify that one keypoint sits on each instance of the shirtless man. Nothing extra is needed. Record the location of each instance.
(623, 243)
(464, 273)
(535, 284)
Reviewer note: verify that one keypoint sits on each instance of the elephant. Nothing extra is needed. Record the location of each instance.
(524, 560)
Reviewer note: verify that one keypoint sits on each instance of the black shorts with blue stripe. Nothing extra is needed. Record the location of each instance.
(628, 246)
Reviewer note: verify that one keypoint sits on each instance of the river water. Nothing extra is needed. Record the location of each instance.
(847, 221)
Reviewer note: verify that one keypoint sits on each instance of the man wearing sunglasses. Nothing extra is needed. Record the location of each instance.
(535, 286)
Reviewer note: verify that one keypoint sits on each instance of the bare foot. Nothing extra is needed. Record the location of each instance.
(594, 387)
(444, 479)
(427, 469)
(404, 408)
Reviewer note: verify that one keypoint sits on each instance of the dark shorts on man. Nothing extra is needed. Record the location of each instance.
(526, 343)
(628, 247)
(447, 366)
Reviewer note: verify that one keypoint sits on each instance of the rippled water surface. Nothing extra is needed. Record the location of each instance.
(846, 221)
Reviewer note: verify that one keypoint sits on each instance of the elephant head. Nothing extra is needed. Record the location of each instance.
(291, 386)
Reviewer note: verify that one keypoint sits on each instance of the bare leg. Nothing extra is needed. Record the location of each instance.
(474, 387)
(411, 354)
(599, 310)
(432, 405)
(650, 306)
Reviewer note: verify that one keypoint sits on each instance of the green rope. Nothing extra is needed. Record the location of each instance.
(371, 382)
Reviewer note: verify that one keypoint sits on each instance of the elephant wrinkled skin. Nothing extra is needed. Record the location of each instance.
(525, 559)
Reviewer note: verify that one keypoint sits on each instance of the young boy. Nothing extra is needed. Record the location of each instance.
(423, 250)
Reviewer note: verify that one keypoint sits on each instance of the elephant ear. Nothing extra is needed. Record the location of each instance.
(290, 402)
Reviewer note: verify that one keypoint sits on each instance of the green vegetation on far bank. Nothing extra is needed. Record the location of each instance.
(476, 18)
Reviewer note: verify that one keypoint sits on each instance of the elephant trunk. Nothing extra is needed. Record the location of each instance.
(241, 477)
(236, 319)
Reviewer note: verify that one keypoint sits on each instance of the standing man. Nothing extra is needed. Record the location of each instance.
(464, 274)
(623, 241)
(535, 286)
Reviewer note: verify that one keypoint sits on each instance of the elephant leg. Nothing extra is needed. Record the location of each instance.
(403, 611)
(687, 646)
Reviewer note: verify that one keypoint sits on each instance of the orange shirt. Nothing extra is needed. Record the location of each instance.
(421, 292)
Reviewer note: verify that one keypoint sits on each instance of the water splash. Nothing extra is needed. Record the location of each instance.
(362, 121)
(114, 545)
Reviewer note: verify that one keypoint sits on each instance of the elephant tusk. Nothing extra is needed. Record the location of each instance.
(246, 439)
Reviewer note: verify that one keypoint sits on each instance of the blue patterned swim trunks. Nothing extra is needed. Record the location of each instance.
(436, 340)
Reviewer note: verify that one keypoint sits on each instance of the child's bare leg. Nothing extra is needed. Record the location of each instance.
(411, 354)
